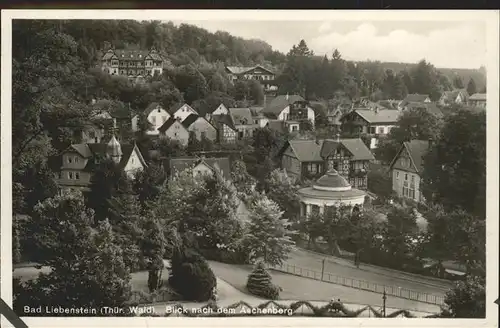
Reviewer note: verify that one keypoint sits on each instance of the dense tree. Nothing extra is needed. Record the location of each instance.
(456, 235)
(458, 83)
(281, 190)
(92, 275)
(203, 205)
(467, 299)
(401, 229)
(267, 236)
(256, 92)
(243, 181)
(153, 249)
(107, 180)
(393, 86)
(455, 167)
(191, 276)
(148, 183)
(425, 80)
(471, 87)
(259, 283)
(415, 124)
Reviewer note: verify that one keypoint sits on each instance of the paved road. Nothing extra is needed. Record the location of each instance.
(298, 288)
(372, 274)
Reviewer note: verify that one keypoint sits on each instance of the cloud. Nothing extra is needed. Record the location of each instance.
(325, 27)
(457, 46)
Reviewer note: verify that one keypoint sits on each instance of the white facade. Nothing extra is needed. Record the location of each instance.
(184, 111)
(322, 203)
(221, 110)
(285, 113)
(407, 185)
(156, 117)
(134, 164)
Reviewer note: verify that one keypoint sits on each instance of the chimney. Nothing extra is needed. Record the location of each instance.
(286, 97)
(337, 137)
(376, 110)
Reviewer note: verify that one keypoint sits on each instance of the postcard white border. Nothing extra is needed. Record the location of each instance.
(491, 19)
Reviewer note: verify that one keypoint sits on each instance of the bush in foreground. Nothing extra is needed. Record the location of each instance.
(259, 283)
(191, 276)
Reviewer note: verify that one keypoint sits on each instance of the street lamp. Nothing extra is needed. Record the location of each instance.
(384, 298)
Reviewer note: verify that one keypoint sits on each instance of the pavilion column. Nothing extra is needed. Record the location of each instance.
(302, 205)
(308, 209)
(322, 209)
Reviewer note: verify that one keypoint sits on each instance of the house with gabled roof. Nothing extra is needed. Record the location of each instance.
(458, 97)
(310, 159)
(289, 107)
(429, 107)
(79, 161)
(200, 126)
(132, 63)
(265, 76)
(242, 121)
(174, 130)
(199, 165)
(181, 111)
(415, 98)
(478, 100)
(156, 116)
(375, 123)
(226, 131)
(406, 169)
(221, 110)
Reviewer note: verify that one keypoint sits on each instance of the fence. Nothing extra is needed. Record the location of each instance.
(360, 284)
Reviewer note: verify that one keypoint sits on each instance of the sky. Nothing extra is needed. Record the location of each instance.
(445, 44)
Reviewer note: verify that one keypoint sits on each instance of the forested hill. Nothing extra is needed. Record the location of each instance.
(478, 75)
(181, 44)
(188, 44)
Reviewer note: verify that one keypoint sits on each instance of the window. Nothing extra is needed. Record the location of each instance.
(175, 134)
(132, 160)
(312, 168)
(405, 189)
(153, 119)
(76, 159)
(412, 189)
(381, 130)
(70, 175)
(294, 128)
(397, 175)
(77, 175)
(372, 130)
(406, 176)
(158, 110)
(412, 178)
(70, 159)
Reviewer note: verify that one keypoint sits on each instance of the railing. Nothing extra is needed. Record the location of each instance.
(361, 284)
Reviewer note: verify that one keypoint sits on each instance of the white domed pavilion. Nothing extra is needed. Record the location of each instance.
(329, 190)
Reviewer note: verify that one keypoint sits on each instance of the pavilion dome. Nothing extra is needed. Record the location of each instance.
(332, 181)
(114, 149)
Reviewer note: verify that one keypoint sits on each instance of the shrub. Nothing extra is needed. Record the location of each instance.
(259, 283)
(191, 276)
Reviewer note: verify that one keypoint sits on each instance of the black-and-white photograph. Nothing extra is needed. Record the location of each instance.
(213, 168)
